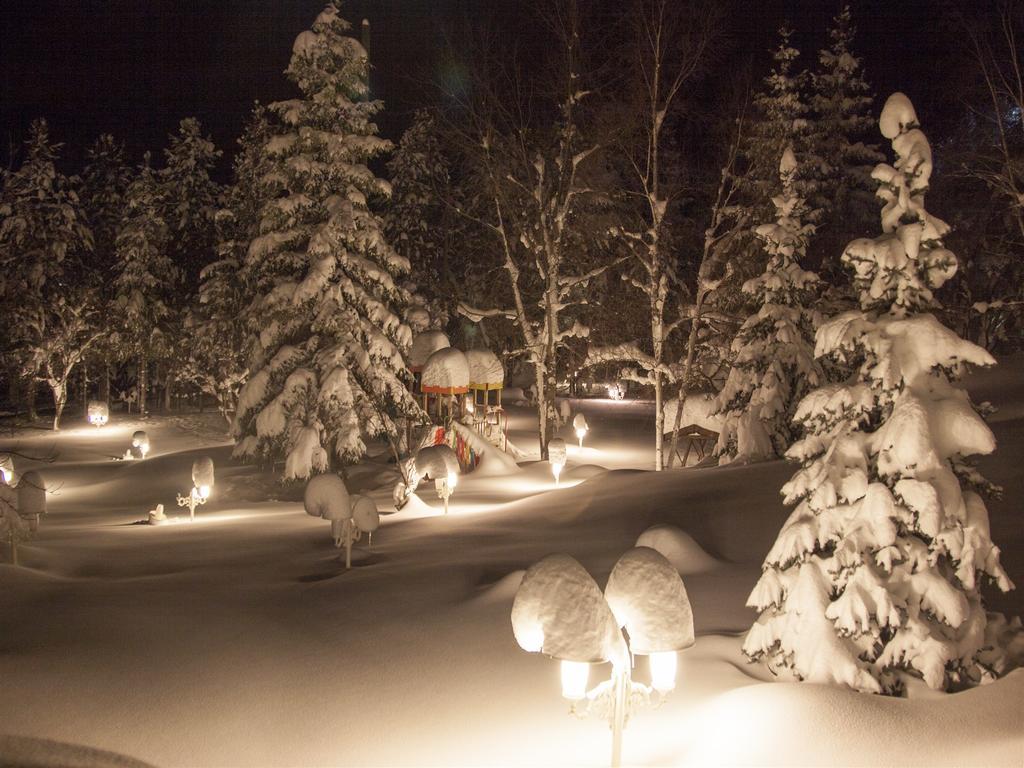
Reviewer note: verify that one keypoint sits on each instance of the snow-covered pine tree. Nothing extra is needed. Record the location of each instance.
(840, 136)
(105, 181)
(773, 366)
(145, 277)
(189, 199)
(44, 236)
(216, 325)
(779, 121)
(414, 224)
(327, 367)
(877, 573)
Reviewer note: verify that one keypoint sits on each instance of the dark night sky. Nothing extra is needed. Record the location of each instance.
(134, 68)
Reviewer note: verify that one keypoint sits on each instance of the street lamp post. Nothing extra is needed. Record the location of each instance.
(560, 611)
(202, 486)
(557, 457)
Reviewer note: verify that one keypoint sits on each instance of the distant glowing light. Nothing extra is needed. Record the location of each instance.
(575, 676)
(204, 491)
(663, 670)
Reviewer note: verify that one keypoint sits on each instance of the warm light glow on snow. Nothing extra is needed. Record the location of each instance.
(663, 670)
(575, 675)
(204, 491)
(453, 480)
(556, 470)
(532, 640)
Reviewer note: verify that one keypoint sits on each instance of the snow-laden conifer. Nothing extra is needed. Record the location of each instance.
(773, 366)
(327, 366)
(145, 277)
(840, 135)
(877, 572)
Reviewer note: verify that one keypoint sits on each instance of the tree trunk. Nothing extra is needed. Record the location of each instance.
(168, 385)
(60, 397)
(85, 386)
(684, 381)
(105, 382)
(142, 383)
(542, 410)
(30, 399)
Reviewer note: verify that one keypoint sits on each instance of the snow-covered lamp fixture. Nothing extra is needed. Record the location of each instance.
(140, 445)
(557, 456)
(326, 496)
(440, 464)
(6, 468)
(579, 423)
(560, 611)
(20, 510)
(98, 413)
(202, 486)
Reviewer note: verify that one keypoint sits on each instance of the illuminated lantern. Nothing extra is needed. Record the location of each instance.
(557, 456)
(579, 424)
(98, 413)
(140, 444)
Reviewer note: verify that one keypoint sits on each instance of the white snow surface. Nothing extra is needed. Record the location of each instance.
(208, 644)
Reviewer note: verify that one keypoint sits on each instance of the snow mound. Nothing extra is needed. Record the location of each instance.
(28, 752)
(679, 548)
(897, 114)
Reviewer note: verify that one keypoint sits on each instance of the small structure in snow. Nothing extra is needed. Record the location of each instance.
(98, 413)
(445, 377)
(486, 381)
(156, 516)
(423, 346)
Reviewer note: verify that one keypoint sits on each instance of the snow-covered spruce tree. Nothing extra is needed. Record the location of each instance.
(877, 573)
(779, 120)
(773, 365)
(216, 325)
(414, 220)
(327, 364)
(189, 199)
(43, 237)
(840, 135)
(145, 277)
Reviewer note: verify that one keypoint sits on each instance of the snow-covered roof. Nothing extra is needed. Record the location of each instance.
(424, 345)
(485, 371)
(446, 370)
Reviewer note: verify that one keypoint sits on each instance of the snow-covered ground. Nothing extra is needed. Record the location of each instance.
(241, 640)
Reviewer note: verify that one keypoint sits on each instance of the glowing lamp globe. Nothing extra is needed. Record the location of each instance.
(98, 413)
(557, 456)
(663, 670)
(6, 468)
(575, 676)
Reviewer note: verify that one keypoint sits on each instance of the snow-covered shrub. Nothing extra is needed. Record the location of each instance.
(877, 573)
(773, 365)
(327, 339)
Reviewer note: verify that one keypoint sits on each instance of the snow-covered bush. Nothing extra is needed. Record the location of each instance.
(877, 573)
(773, 365)
(328, 342)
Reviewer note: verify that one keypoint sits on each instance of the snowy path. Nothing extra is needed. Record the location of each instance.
(240, 640)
